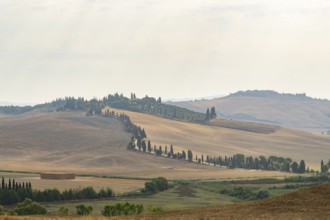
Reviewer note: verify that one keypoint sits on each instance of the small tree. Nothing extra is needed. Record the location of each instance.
(28, 207)
(63, 210)
(190, 155)
(84, 210)
(302, 167)
(294, 167)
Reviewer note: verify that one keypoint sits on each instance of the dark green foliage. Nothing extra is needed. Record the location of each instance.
(20, 191)
(28, 207)
(294, 167)
(190, 155)
(144, 146)
(213, 114)
(152, 106)
(246, 193)
(156, 185)
(207, 115)
(258, 163)
(302, 167)
(262, 194)
(122, 209)
(84, 210)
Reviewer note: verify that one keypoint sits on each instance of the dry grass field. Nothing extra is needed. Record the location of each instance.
(119, 186)
(72, 142)
(218, 140)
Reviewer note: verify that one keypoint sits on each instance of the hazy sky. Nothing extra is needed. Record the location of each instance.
(167, 48)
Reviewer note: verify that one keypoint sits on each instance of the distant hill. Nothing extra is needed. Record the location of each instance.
(296, 111)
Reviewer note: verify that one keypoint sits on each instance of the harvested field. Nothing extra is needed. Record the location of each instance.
(117, 185)
(217, 140)
(70, 142)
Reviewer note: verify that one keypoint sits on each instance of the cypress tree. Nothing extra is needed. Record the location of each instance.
(3, 183)
(190, 155)
(149, 146)
(302, 167)
(207, 114)
(9, 184)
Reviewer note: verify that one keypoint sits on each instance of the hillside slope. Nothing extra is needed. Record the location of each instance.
(308, 204)
(215, 141)
(292, 111)
(72, 142)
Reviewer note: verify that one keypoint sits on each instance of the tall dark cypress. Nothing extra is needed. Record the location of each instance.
(3, 183)
(9, 184)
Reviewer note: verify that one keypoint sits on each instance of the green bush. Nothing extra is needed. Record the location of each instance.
(122, 209)
(28, 207)
(84, 210)
(63, 210)
(156, 185)
(152, 209)
(262, 194)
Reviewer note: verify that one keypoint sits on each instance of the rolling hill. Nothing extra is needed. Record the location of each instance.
(72, 142)
(288, 110)
(215, 139)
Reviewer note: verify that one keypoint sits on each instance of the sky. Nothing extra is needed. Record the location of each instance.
(173, 49)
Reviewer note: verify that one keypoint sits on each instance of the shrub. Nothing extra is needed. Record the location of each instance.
(152, 209)
(122, 209)
(63, 211)
(84, 210)
(262, 194)
(28, 207)
(158, 184)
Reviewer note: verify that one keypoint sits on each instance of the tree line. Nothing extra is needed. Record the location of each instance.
(13, 192)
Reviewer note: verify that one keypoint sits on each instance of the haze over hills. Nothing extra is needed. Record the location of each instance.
(296, 111)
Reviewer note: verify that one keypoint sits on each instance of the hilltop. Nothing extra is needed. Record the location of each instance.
(296, 111)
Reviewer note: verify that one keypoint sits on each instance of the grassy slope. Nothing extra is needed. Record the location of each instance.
(213, 140)
(307, 114)
(312, 203)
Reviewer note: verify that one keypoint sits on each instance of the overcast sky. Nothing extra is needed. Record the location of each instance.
(168, 48)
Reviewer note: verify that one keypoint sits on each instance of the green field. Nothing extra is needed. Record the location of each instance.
(184, 195)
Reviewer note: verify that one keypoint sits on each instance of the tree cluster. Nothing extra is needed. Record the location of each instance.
(210, 114)
(15, 195)
(258, 163)
(122, 209)
(325, 167)
(156, 185)
(152, 106)
(12, 191)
